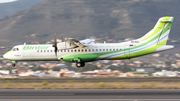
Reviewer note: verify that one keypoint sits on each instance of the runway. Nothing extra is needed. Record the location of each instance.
(62, 80)
(89, 95)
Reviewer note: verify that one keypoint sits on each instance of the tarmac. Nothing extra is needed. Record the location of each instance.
(90, 95)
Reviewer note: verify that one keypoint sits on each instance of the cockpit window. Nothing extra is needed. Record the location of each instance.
(15, 49)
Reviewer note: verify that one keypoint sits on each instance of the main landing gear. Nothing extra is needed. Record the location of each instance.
(80, 64)
(13, 65)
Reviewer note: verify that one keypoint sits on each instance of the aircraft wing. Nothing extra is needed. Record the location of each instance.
(77, 43)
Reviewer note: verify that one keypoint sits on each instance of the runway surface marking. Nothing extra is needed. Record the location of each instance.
(90, 95)
(90, 100)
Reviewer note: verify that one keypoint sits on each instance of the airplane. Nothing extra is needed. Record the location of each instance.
(80, 52)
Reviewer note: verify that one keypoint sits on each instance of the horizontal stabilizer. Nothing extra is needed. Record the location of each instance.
(166, 47)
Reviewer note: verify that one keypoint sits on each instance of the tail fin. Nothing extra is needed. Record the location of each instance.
(160, 32)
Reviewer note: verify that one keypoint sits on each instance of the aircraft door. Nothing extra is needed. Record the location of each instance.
(126, 50)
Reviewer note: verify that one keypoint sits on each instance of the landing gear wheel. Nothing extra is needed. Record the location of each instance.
(80, 64)
(13, 64)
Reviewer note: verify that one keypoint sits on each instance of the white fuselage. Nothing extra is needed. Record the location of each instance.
(45, 52)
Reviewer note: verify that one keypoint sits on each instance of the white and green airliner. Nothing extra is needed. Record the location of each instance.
(87, 50)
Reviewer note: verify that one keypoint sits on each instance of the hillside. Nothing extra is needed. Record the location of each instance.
(80, 19)
(7, 9)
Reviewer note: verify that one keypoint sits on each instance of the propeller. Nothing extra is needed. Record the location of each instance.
(62, 37)
(55, 45)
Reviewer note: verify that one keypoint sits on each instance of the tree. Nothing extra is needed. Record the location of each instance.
(168, 64)
(39, 68)
(124, 68)
(56, 69)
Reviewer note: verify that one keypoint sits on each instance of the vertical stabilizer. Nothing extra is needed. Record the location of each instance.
(160, 32)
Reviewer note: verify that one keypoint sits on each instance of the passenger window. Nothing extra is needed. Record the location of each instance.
(68, 50)
(47, 50)
(107, 50)
(85, 50)
(79, 50)
(103, 49)
(89, 50)
(116, 49)
(41, 51)
(82, 50)
(44, 50)
(113, 49)
(75, 50)
(93, 50)
(96, 50)
(38, 51)
(100, 50)
(51, 51)
(17, 49)
(64, 50)
(72, 50)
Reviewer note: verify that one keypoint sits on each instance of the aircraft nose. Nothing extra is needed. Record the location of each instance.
(4, 56)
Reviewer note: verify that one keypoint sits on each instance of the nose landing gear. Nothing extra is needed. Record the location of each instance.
(13, 63)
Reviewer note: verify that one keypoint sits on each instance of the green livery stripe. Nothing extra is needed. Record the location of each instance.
(147, 51)
(86, 57)
(141, 53)
(155, 37)
(161, 25)
(10, 51)
(94, 56)
(8, 59)
(168, 27)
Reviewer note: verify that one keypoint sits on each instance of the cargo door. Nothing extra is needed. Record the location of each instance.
(126, 50)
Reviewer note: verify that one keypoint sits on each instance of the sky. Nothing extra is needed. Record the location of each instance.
(6, 1)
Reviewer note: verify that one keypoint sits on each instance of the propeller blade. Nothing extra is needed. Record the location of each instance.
(55, 45)
(62, 37)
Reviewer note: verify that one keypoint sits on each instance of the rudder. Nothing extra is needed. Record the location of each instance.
(163, 36)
